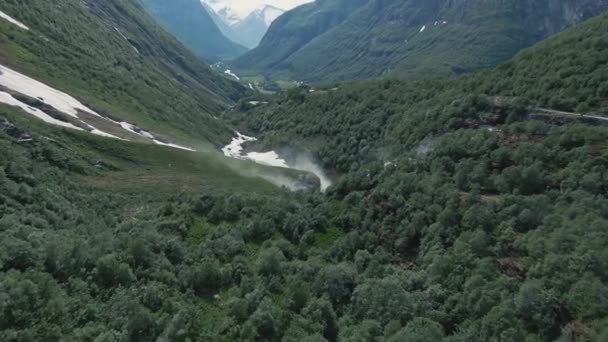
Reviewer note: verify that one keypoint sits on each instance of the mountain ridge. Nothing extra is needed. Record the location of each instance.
(247, 31)
(416, 37)
(190, 22)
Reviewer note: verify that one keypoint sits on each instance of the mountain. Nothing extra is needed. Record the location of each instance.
(469, 208)
(246, 31)
(228, 15)
(411, 37)
(194, 27)
(294, 30)
(250, 30)
(114, 58)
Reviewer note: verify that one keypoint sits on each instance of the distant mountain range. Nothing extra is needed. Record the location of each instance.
(333, 40)
(189, 22)
(247, 31)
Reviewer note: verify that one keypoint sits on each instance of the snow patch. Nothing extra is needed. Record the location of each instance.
(103, 134)
(173, 145)
(271, 13)
(25, 85)
(230, 73)
(13, 21)
(6, 98)
(271, 158)
(255, 103)
(268, 158)
(62, 102)
(134, 129)
(235, 148)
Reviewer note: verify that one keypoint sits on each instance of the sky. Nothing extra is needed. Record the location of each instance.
(244, 7)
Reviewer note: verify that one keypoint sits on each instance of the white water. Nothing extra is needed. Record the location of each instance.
(230, 73)
(271, 158)
(13, 21)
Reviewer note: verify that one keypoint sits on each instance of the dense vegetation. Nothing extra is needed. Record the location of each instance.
(189, 21)
(455, 218)
(409, 38)
(358, 122)
(114, 57)
(293, 30)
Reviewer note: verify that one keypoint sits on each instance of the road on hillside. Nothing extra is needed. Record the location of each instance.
(551, 112)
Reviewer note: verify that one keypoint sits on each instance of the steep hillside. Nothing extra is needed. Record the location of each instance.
(423, 38)
(457, 215)
(252, 29)
(461, 210)
(193, 26)
(359, 120)
(112, 57)
(293, 30)
(246, 31)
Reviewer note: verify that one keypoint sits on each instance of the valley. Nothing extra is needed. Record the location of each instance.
(374, 171)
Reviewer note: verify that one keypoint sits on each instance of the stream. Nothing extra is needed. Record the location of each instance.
(271, 158)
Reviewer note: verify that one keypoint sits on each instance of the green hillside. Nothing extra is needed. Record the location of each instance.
(193, 26)
(295, 29)
(115, 58)
(458, 212)
(415, 38)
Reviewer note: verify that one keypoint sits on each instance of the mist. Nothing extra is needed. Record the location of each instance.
(286, 158)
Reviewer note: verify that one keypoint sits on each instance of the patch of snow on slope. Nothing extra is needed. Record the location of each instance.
(173, 145)
(230, 73)
(302, 163)
(271, 13)
(6, 98)
(422, 28)
(268, 158)
(53, 97)
(13, 20)
(60, 101)
(104, 134)
(134, 129)
(235, 148)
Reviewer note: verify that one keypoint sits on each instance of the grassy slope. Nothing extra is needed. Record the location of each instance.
(74, 46)
(138, 168)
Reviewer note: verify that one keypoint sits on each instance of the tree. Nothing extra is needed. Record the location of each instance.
(382, 300)
(206, 277)
(337, 282)
(270, 262)
(111, 272)
(420, 330)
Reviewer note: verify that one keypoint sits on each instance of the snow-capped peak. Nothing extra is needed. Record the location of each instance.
(269, 13)
(228, 14)
(232, 15)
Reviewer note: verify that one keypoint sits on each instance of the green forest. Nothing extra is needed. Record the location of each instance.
(456, 215)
